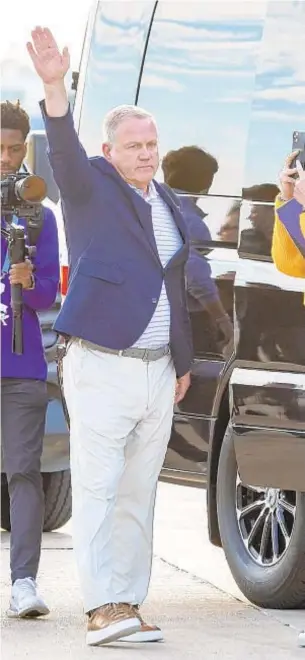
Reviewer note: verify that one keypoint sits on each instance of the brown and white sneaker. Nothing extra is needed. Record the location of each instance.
(147, 633)
(110, 622)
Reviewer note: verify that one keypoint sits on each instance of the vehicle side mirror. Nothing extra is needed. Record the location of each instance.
(75, 77)
(37, 162)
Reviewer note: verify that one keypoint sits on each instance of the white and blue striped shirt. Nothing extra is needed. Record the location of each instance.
(169, 241)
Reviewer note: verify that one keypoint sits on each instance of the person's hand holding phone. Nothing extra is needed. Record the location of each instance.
(287, 180)
(299, 188)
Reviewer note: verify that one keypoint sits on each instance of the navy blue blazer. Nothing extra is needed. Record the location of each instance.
(115, 271)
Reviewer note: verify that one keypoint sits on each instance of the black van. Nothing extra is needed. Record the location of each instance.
(219, 76)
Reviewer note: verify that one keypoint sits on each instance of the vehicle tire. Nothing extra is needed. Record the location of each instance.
(269, 570)
(58, 501)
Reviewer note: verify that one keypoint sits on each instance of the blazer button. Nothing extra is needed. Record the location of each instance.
(154, 300)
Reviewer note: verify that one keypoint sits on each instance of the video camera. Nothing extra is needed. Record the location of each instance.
(21, 197)
(21, 193)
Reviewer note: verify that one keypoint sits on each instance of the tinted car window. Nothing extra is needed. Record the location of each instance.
(257, 220)
(115, 56)
(279, 96)
(198, 81)
(211, 218)
(278, 109)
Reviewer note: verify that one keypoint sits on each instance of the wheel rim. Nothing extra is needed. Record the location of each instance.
(266, 518)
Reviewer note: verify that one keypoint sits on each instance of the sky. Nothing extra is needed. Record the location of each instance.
(66, 17)
(67, 20)
(217, 74)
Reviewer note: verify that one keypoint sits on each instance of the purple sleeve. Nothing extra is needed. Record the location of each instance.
(46, 262)
(200, 283)
(289, 215)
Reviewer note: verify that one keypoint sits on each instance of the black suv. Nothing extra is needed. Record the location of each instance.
(218, 75)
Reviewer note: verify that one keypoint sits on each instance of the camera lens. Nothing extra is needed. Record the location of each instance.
(31, 189)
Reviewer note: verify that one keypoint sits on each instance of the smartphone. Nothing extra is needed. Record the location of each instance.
(298, 142)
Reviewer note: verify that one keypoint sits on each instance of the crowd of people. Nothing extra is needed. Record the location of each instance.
(130, 246)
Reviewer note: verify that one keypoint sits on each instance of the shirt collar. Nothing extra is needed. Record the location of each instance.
(151, 194)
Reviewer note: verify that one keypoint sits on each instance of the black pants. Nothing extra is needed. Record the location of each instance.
(23, 411)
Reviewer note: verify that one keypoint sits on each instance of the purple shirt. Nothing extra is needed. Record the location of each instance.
(31, 364)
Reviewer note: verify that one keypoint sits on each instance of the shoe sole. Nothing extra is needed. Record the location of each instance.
(145, 637)
(302, 640)
(113, 632)
(28, 613)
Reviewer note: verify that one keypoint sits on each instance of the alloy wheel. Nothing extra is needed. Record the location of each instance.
(266, 518)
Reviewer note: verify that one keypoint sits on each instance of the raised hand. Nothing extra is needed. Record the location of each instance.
(50, 64)
(287, 182)
(299, 188)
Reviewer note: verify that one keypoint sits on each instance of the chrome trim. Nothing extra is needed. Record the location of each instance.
(264, 377)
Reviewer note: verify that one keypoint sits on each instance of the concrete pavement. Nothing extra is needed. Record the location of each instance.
(199, 619)
(181, 538)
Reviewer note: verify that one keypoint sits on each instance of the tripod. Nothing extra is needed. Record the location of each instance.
(18, 251)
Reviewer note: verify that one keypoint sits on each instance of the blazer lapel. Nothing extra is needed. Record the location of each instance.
(175, 208)
(143, 211)
(141, 208)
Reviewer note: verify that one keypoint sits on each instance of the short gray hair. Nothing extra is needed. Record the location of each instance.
(115, 116)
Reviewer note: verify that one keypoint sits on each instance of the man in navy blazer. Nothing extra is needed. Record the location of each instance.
(129, 347)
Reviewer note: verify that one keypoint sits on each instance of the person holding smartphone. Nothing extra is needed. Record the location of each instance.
(285, 253)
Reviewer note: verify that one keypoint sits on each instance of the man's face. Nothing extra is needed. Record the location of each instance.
(13, 150)
(262, 219)
(228, 231)
(257, 216)
(134, 152)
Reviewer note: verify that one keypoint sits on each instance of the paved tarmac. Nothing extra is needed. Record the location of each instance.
(192, 597)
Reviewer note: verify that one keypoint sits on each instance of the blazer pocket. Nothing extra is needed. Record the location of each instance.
(101, 270)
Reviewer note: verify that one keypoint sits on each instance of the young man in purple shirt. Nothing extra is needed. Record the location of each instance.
(24, 396)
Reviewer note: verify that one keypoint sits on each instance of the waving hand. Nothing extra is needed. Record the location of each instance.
(50, 64)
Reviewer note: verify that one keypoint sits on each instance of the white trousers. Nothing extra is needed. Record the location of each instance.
(121, 412)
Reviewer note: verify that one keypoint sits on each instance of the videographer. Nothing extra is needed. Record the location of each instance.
(23, 388)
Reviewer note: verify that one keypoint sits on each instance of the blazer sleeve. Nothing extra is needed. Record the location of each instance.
(70, 164)
(285, 254)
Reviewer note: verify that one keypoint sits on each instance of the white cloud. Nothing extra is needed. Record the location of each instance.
(178, 68)
(121, 24)
(201, 35)
(274, 115)
(241, 10)
(150, 80)
(19, 81)
(246, 98)
(66, 18)
(171, 34)
(284, 54)
(233, 46)
(109, 65)
(294, 94)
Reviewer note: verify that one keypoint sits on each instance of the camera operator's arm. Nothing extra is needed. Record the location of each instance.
(46, 267)
(22, 274)
(69, 162)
